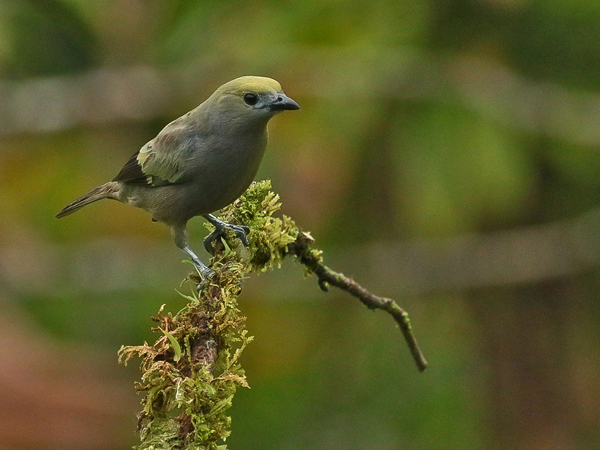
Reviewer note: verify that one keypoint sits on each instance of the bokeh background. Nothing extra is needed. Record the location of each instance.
(446, 155)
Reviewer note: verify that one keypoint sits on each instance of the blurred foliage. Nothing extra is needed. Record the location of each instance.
(395, 141)
(43, 37)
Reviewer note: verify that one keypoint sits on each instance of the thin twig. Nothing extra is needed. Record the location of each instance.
(312, 260)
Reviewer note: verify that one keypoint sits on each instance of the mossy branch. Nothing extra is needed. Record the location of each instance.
(313, 260)
(192, 371)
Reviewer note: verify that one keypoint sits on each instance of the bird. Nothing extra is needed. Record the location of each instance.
(200, 162)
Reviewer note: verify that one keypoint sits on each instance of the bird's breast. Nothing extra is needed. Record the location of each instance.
(224, 170)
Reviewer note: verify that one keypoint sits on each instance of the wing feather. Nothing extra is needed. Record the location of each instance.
(132, 172)
(162, 160)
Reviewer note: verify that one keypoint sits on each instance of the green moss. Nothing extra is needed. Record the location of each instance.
(192, 371)
(269, 236)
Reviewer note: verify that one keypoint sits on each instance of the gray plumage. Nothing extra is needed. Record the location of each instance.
(200, 162)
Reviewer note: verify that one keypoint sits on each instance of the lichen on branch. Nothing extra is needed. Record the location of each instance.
(192, 371)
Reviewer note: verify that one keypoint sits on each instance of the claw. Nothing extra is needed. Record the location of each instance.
(239, 230)
(212, 237)
(205, 271)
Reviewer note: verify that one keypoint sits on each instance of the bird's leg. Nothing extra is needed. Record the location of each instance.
(239, 230)
(202, 268)
(180, 236)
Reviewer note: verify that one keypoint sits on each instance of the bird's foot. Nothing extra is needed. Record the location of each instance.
(203, 269)
(240, 231)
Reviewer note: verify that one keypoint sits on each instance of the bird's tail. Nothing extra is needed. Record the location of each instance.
(107, 190)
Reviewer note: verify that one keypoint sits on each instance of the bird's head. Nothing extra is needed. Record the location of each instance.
(250, 100)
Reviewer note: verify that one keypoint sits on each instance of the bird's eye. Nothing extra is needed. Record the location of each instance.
(250, 99)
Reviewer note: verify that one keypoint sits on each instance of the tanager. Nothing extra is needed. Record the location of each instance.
(200, 162)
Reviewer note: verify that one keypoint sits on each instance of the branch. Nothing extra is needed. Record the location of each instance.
(192, 371)
(313, 261)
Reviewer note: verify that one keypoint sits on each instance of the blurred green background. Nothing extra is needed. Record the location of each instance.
(446, 155)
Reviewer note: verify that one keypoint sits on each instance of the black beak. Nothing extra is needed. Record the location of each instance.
(282, 103)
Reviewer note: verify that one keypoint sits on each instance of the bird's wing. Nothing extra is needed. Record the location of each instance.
(162, 160)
